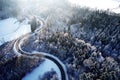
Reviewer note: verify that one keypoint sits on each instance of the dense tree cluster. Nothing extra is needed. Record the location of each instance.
(83, 61)
(99, 28)
(50, 75)
(13, 67)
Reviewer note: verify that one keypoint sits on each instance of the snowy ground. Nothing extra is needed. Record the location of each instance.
(112, 5)
(46, 66)
(11, 29)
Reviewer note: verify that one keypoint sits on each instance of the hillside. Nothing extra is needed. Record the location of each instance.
(86, 41)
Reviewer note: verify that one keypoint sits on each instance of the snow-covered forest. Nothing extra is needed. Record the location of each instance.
(59, 40)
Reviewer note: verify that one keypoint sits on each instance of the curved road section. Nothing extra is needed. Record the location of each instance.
(19, 51)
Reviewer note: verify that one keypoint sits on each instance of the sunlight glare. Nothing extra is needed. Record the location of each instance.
(98, 4)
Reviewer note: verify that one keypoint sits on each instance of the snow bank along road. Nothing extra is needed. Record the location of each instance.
(19, 51)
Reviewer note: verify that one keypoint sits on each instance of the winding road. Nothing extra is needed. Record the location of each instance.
(19, 51)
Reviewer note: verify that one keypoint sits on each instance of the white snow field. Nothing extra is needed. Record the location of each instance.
(112, 5)
(44, 67)
(11, 29)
